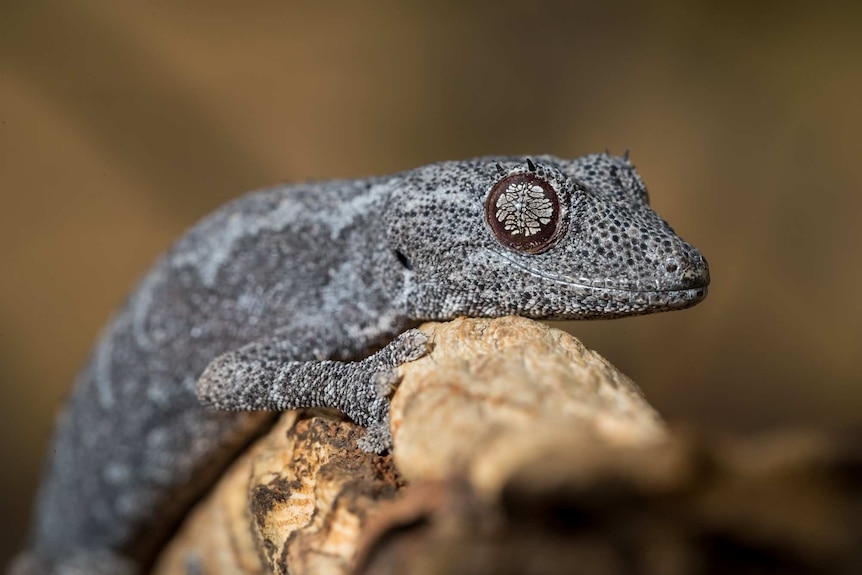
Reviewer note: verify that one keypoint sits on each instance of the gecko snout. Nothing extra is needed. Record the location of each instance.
(689, 269)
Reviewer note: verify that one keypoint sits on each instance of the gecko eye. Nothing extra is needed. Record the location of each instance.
(523, 211)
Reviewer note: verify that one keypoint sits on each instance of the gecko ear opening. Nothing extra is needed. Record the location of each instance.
(404, 260)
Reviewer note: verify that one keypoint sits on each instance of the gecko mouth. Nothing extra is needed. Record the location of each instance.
(647, 293)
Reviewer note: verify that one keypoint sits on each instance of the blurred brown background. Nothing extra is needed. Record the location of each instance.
(123, 123)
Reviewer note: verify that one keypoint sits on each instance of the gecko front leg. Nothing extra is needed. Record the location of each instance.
(264, 376)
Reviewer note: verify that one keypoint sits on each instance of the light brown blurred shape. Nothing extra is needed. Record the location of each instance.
(122, 124)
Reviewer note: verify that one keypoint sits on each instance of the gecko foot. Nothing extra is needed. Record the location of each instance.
(370, 403)
(407, 347)
(377, 438)
(385, 382)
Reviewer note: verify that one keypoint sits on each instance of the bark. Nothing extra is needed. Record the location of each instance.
(518, 450)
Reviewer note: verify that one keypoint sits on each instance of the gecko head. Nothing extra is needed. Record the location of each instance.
(543, 238)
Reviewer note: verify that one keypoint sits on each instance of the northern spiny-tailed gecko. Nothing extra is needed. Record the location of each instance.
(262, 305)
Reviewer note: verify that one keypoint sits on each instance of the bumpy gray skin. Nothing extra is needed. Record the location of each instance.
(260, 305)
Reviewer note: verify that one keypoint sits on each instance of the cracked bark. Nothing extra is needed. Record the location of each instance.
(516, 449)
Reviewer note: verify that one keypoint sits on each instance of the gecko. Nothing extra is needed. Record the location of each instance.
(279, 299)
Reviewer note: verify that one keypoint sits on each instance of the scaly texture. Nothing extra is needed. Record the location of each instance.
(329, 271)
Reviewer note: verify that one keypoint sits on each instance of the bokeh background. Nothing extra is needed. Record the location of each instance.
(122, 123)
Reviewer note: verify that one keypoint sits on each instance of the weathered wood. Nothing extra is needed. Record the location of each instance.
(518, 450)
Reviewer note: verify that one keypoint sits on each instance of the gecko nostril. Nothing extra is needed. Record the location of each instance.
(688, 268)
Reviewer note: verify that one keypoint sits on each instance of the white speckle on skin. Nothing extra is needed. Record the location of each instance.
(116, 473)
(347, 211)
(208, 257)
(102, 370)
(156, 438)
(141, 308)
(158, 394)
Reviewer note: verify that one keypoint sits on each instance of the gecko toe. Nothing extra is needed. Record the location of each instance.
(410, 346)
(385, 382)
(377, 438)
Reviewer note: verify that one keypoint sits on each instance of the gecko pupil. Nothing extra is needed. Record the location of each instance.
(523, 211)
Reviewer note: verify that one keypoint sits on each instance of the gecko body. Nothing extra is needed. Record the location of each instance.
(263, 305)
